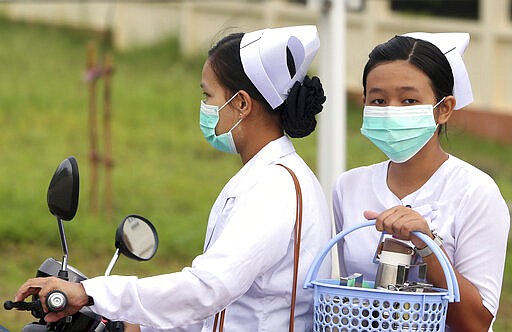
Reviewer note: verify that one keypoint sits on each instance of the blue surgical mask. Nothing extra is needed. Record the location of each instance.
(208, 119)
(399, 131)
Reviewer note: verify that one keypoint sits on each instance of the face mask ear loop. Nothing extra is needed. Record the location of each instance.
(434, 107)
(439, 102)
(229, 100)
(236, 124)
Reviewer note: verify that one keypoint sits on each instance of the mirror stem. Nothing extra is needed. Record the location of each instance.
(63, 273)
(112, 262)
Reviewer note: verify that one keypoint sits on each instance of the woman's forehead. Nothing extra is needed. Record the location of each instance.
(209, 79)
(397, 75)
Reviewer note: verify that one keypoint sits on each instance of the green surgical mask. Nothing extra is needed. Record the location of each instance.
(208, 119)
(399, 131)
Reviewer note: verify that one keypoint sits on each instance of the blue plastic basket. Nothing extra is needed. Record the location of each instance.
(351, 309)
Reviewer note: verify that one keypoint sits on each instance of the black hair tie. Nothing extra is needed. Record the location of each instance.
(303, 103)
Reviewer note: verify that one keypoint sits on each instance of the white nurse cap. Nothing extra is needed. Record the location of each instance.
(453, 45)
(263, 55)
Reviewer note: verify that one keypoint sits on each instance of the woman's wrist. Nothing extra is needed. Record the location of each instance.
(420, 244)
(425, 250)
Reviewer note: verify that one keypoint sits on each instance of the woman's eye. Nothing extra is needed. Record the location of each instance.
(410, 101)
(378, 101)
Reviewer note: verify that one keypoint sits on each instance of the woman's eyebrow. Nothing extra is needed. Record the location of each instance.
(375, 90)
(401, 88)
(408, 88)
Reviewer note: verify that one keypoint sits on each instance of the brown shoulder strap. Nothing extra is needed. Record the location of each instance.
(219, 317)
(296, 249)
(221, 324)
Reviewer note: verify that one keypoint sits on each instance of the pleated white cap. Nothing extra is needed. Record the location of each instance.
(263, 55)
(453, 45)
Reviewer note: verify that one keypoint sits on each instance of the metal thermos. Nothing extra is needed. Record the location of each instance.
(394, 257)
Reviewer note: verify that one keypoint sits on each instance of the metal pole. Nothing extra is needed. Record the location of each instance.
(63, 272)
(332, 121)
(112, 263)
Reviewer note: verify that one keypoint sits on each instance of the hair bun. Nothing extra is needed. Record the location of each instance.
(303, 103)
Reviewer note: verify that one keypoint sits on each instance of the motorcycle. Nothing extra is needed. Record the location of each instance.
(136, 238)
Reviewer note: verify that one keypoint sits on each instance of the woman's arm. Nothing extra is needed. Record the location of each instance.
(467, 315)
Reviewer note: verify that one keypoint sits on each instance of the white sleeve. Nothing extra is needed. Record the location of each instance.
(481, 233)
(162, 302)
(256, 237)
(189, 328)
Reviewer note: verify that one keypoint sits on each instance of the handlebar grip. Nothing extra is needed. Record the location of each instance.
(56, 301)
(8, 305)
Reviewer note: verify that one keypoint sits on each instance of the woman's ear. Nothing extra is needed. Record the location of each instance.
(445, 109)
(244, 103)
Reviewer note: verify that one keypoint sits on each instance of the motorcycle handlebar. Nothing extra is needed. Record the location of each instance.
(56, 301)
(22, 305)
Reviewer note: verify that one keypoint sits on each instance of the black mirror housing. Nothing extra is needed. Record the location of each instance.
(62, 196)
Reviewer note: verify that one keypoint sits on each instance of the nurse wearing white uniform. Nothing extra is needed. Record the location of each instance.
(256, 94)
(412, 84)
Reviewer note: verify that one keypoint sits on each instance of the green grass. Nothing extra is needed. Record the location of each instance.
(164, 169)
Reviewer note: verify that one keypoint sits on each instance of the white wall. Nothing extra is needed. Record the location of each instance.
(199, 24)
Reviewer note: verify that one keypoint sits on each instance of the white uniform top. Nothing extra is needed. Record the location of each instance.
(461, 202)
(247, 264)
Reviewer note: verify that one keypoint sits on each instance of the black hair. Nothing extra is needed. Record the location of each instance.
(296, 113)
(422, 54)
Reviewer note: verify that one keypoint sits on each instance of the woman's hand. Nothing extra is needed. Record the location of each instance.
(401, 221)
(75, 293)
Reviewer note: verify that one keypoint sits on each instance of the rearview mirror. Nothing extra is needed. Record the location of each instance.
(63, 191)
(136, 238)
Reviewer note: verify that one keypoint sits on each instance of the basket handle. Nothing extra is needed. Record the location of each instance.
(451, 280)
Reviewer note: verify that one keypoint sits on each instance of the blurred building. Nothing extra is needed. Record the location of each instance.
(198, 24)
